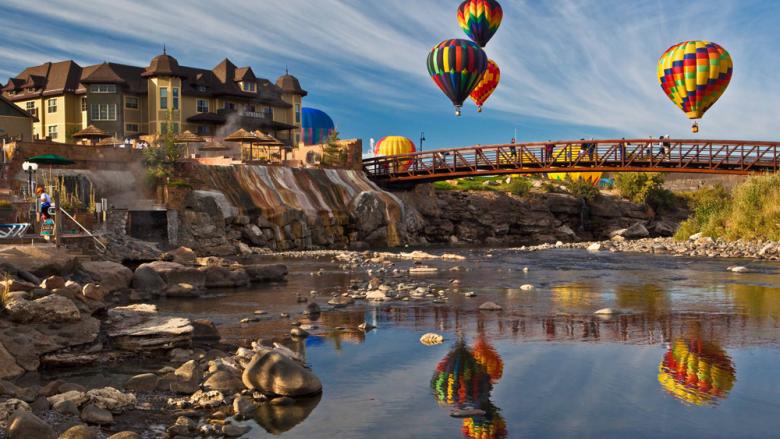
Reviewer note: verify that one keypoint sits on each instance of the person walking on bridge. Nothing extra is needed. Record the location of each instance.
(622, 150)
(549, 148)
(513, 149)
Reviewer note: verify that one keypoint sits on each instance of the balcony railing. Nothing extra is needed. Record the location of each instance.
(264, 115)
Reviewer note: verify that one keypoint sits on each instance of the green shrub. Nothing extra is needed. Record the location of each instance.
(645, 188)
(583, 188)
(519, 186)
(443, 186)
(709, 209)
(179, 183)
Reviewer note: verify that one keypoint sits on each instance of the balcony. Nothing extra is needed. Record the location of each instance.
(267, 116)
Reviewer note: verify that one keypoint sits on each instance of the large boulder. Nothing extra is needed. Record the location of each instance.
(147, 279)
(187, 378)
(80, 431)
(182, 255)
(266, 273)
(26, 425)
(8, 408)
(273, 373)
(223, 277)
(8, 366)
(369, 212)
(212, 202)
(224, 381)
(92, 414)
(110, 275)
(635, 231)
(174, 274)
(140, 328)
(109, 398)
(53, 308)
(16, 285)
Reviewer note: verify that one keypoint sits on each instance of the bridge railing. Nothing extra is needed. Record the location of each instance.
(671, 155)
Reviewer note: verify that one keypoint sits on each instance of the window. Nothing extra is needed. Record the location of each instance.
(102, 112)
(230, 106)
(203, 106)
(249, 86)
(202, 88)
(131, 127)
(51, 106)
(203, 130)
(131, 102)
(297, 113)
(30, 106)
(164, 128)
(164, 98)
(52, 130)
(175, 98)
(103, 88)
(84, 104)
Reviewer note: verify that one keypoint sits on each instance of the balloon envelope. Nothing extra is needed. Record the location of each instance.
(487, 85)
(456, 66)
(696, 372)
(480, 19)
(394, 145)
(694, 74)
(316, 126)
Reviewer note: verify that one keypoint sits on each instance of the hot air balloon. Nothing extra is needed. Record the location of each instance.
(490, 426)
(394, 145)
(316, 126)
(487, 356)
(487, 85)
(480, 19)
(694, 74)
(456, 66)
(460, 380)
(696, 372)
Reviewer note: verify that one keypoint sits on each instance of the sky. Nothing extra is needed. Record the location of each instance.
(570, 69)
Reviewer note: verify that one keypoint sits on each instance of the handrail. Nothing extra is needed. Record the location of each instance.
(98, 241)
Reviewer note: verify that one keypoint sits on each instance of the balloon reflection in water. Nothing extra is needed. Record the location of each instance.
(459, 379)
(487, 356)
(697, 372)
(490, 426)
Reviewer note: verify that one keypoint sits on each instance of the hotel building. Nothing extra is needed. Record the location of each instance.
(128, 101)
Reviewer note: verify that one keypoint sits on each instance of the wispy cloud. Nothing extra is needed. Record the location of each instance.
(566, 63)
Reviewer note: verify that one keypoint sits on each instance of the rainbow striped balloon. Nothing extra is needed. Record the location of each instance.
(694, 74)
(456, 66)
(480, 19)
(487, 85)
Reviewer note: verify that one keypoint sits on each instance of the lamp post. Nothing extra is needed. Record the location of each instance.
(422, 139)
(30, 168)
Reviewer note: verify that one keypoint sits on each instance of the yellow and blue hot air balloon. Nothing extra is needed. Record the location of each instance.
(480, 19)
(694, 74)
(456, 66)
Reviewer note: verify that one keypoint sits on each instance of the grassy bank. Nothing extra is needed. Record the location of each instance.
(519, 185)
(751, 211)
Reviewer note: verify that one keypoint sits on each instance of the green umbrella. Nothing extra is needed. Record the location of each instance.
(50, 159)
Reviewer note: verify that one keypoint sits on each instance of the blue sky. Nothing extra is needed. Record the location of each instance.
(570, 69)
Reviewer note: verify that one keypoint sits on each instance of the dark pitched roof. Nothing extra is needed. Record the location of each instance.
(222, 80)
(245, 74)
(15, 108)
(290, 84)
(162, 65)
(102, 74)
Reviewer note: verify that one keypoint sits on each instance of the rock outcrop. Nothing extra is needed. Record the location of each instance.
(140, 328)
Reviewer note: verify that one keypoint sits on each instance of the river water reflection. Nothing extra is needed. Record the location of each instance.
(694, 353)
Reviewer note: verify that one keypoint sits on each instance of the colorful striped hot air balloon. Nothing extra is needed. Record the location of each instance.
(694, 74)
(316, 126)
(394, 145)
(480, 19)
(490, 426)
(487, 85)
(460, 380)
(456, 66)
(696, 372)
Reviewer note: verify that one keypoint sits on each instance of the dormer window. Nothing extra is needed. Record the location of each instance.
(102, 88)
(248, 86)
(202, 88)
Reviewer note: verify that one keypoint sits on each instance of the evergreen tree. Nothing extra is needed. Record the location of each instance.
(333, 154)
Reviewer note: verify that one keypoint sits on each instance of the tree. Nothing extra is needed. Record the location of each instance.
(161, 160)
(333, 154)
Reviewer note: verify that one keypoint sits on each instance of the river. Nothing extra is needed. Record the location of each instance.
(694, 351)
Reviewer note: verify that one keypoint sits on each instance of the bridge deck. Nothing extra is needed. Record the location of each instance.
(629, 155)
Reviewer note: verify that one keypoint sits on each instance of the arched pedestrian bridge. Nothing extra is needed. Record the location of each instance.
(737, 157)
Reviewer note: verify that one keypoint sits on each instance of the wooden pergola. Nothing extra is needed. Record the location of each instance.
(91, 133)
(186, 138)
